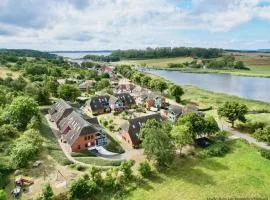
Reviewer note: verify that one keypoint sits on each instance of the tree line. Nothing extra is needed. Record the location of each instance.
(102, 58)
(168, 52)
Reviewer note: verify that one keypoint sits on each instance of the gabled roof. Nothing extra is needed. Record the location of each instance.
(59, 109)
(126, 98)
(78, 127)
(98, 102)
(133, 126)
(177, 110)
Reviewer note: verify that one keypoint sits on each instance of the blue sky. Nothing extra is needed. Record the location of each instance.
(124, 24)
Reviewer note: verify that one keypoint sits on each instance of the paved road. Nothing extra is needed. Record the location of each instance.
(244, 136)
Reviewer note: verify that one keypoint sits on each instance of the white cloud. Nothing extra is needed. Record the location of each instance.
(110, 24)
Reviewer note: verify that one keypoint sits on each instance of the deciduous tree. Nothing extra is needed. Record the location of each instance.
(233, 111)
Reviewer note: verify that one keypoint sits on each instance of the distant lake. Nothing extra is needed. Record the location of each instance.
(78, 55)
(256, 88)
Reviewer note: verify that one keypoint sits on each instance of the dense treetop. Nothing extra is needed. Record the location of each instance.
(26, 53)
(165, 52)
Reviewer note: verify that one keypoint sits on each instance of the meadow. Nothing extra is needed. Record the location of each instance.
(259, 64)
(242, 173)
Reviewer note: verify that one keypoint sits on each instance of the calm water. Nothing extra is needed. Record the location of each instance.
(78, 55)
(248, 87)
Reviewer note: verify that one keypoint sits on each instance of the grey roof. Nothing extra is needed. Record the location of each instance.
(134, 125)
(177, 110)
(98, 102)
(59, 109)
(126, 98)
(78, 127)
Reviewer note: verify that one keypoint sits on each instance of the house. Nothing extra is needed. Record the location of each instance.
(140, 100)
(172, 113)
(116, 103)
(156, 102)
(98, 104)
(131, 129)
(59, 110)
(84, 86)
(106, 69)
(78, 133)
(121, 101)
(125, 87)
(126, 98)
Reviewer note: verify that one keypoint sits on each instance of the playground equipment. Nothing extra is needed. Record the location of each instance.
(19, 184)
(23, 181)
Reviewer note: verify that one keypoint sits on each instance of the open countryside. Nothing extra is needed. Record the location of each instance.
(134, 100)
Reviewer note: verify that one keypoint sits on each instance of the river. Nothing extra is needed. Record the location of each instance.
(255, 88)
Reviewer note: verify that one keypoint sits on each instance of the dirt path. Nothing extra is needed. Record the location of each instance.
(244, 136)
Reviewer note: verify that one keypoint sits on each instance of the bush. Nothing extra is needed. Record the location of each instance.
(215, 150)
(125, 167)
(265, 153)
(47, 192)
(145, 169)
(25, 148)
(82, 189)
(221, 135)
(263, 134)
(3, 195)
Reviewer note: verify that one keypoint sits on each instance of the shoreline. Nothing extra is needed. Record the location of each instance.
(208, 71)
(205, 97)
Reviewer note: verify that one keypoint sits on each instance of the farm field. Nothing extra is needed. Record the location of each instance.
(157, 63)
(241, 173)
(259, 64)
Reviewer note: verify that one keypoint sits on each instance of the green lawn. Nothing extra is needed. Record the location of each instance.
(157, 63)
(241, 173)
(98, 161)
(259, 64)
(51, 142)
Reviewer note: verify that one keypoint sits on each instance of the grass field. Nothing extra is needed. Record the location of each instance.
(259, 64)
(4, 72)
(241, 173)
(157, 63)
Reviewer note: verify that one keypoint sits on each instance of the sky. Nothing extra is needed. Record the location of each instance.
(124, 24)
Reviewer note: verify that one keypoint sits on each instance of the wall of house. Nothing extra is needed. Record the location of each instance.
(84, 142)
(128, 140)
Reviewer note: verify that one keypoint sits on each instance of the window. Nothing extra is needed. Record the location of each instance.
(92, 136)
(92, 143)
(79, 147)
(88, 137)
(85, 145)
(85, 138)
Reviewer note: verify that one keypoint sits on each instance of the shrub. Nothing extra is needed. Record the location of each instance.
(111, 127)
(25, 148)
(221, 135)
(145, 169)
(263, 134)
(215, 150)
(125, 167)
(47, 192)
(82, 189)
(265, 153)
(3, 195)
